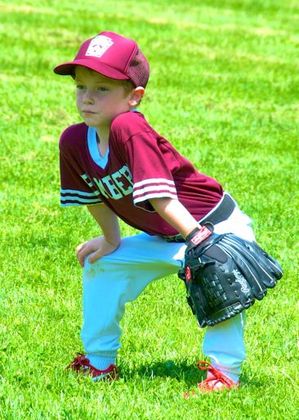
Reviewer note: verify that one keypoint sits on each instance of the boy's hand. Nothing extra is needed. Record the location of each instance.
(95, 248)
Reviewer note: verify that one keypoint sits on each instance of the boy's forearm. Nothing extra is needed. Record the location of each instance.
(108, 222)
(174, 213)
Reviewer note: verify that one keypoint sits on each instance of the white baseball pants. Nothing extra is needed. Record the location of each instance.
(120, 277)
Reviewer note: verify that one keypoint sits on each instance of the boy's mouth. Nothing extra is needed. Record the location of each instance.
(86, 111)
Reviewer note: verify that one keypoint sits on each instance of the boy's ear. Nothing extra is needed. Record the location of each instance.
(136, 96)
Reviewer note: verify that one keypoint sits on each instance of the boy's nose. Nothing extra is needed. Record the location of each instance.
(88, 97)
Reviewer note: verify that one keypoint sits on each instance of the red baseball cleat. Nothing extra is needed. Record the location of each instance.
(81, 364)
(216, 380)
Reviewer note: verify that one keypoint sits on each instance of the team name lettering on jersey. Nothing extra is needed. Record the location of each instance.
(115, 186)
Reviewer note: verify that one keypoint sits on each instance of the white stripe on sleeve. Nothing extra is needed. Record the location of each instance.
(152, 189)
(153, 181)
(155, 195)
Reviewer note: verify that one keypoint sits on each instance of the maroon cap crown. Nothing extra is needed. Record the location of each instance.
(111, 55)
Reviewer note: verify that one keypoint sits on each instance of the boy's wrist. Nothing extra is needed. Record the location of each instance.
(198, 235)
(114, 241)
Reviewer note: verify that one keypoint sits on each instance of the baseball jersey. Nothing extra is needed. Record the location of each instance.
(139, 165)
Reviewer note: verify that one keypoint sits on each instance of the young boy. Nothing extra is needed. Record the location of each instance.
(117, 165)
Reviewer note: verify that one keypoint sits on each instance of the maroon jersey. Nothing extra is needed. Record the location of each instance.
(139, 165)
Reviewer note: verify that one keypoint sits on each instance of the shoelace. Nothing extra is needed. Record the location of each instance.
(79, 362)
(217, 375)
(216, 378)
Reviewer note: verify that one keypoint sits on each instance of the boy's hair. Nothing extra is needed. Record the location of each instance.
(111, 55)
(128, 86)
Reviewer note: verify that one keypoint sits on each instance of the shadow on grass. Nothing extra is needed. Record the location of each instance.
(182, 371)
(185, 372)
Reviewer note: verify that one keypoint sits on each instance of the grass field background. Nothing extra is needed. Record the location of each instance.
(224, 90)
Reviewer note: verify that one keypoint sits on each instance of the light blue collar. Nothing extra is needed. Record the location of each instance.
(100, 160)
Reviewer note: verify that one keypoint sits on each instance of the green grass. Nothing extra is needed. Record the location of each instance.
(224, 90)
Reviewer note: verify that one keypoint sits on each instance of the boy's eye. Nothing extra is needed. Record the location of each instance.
(102, 89)
(98, 89)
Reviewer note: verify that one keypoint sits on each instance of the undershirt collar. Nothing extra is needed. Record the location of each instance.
(100, 160)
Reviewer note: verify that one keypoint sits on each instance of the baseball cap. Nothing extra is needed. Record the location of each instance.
(111, 55)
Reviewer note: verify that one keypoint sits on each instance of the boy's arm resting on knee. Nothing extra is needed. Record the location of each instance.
(102, 245)
(108, 222)
(176, 214)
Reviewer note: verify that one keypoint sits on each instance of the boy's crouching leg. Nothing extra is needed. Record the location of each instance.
(111, 282)
(224, 346)
(102, 310)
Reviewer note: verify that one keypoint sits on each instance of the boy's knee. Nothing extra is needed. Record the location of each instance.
(92, 270)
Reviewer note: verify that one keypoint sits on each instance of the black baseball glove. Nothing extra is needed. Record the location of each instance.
(224, 274)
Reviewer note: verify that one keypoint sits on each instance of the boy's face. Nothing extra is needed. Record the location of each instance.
(100, 99)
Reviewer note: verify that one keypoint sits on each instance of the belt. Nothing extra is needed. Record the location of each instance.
(220, 213)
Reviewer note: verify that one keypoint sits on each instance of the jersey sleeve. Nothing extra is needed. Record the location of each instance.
(150, 163)
(76, 188)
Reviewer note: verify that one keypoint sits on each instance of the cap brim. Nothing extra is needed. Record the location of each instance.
(68, 69)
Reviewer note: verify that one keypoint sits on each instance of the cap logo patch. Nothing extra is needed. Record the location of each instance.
(98, 46)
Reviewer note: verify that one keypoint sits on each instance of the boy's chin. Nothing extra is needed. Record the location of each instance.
(89, 122)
